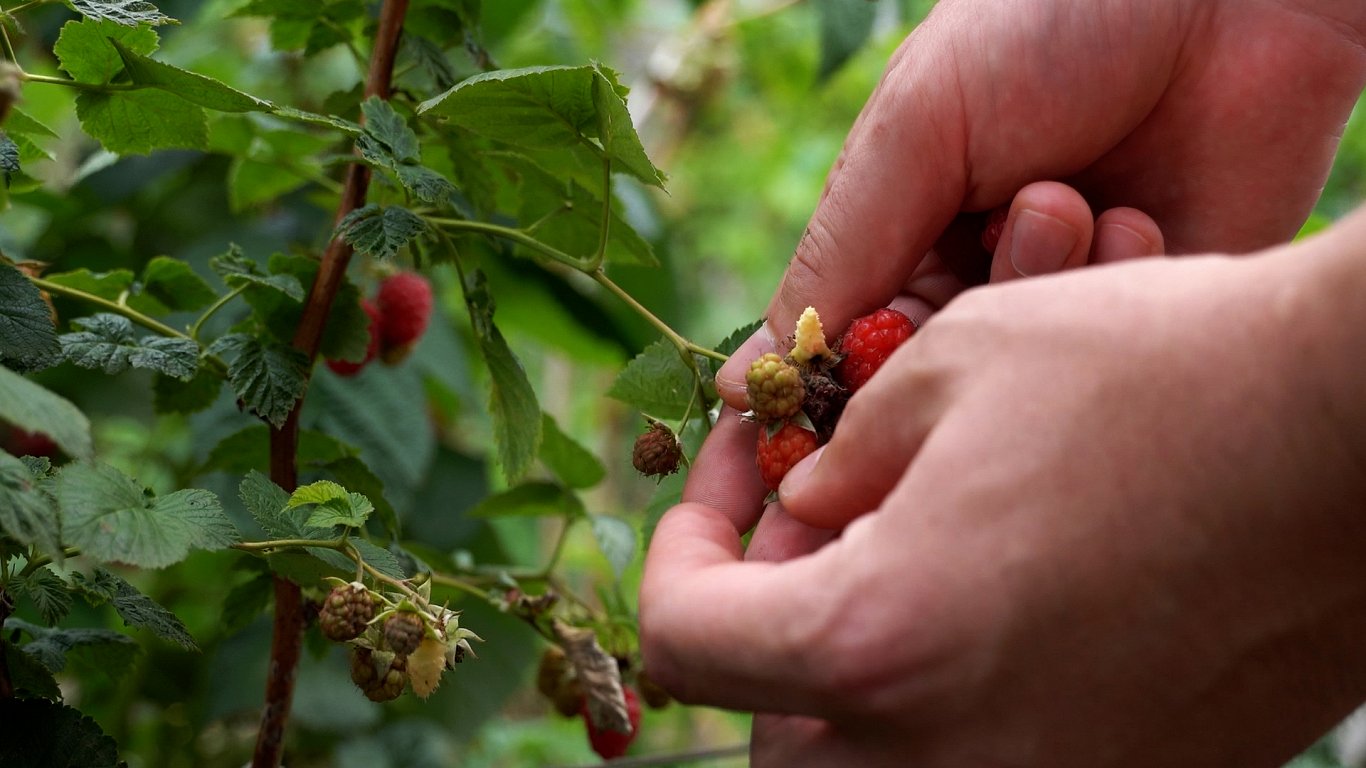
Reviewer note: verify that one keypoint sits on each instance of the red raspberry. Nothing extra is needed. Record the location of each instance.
(405, 306)
(867, 344)
(348, 368)
(21, 442)
(781, 451)
(996, 224)
(610, 744)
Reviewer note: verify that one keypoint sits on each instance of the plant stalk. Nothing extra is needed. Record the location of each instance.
(287, 641)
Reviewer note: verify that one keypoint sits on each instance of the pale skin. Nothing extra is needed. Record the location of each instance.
(1110, 517)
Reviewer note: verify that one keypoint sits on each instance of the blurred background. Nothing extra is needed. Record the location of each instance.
(743, 103)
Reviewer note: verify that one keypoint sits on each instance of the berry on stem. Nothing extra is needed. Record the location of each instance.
(403, 632)
(657, 452)
(610, 744)
(405, 306)
(345, 612)
(780, 450)
(867, 344)
(774, 389)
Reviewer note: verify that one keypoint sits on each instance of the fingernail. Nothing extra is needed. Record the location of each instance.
(797, 477)
(1117, 241)
(1039, 243)
(730, 378)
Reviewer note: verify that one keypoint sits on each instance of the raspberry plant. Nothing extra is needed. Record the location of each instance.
(433, 181)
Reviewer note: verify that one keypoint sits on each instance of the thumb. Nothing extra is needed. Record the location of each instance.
(898, 182)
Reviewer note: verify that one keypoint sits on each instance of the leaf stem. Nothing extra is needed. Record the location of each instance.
(217, 305)
(77, 84)
(119, 309)
(516, 236)
(9, 46)
(265, 546)
(596, 263)
(685, 347)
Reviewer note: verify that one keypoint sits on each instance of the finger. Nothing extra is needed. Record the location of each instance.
(724, 476)
(718, 631)
(1049, 229)
(899, 180)
(874, 442)
(1125, 233)
(779, 537)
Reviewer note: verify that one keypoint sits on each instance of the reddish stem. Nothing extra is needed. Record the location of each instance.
(287, 639)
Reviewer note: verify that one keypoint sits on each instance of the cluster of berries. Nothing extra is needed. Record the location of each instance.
(798, 399)
(383, 640)
(558, 682)
(399, 314)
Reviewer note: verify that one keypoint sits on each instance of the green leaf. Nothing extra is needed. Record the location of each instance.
(512, 401)
(30, 407)
(428, 185)
(190, 86)
(29, 677)
(40, 732)
(85, 49)
(268, 378)
(336, 505)
(107, 285)
(22, 123)
(354, 474)
(266, 502)
(249, 448)
(106, 343)
(311, 118)
(27, 335)
(730, 344)
(171, 395)
(170, 285)
(347, 333)
(569, 216)
(390, 129)
(51, 646)
(112, 518)
(617, 540)
(845, 26)
(245, 602)
(549, 108)
(571, 462)
(656, 382)
(237, 270)
(27, 513)
(534, 499)
(380, 232)
(50, 595)
(135, 608)
(130, 12)
(137, 122)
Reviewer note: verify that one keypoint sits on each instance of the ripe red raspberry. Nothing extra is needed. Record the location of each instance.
(773, 388)
(610, 744)
(349, 368)
(403, 632)
(781, 451)
(345, 612)
(405, 307)
(656, 452)
(867, 344)
(20, 442)
(996, 224)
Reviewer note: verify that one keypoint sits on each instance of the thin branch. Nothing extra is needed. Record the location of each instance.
(111, 306)
(515, 235)
(685, 348)
(81, 86)
(287, 640)
(606, 226)
(211, 311)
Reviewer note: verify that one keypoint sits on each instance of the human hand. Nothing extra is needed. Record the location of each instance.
(1124, 533)
(1219, 118)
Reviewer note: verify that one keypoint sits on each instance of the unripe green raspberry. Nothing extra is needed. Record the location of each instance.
(403, 632)
(774, 388)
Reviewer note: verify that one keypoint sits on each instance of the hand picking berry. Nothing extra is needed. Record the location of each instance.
(780, 450)
(611, 744)
(774, 389)
(349, 368)
(867, 344)
(405, 306)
